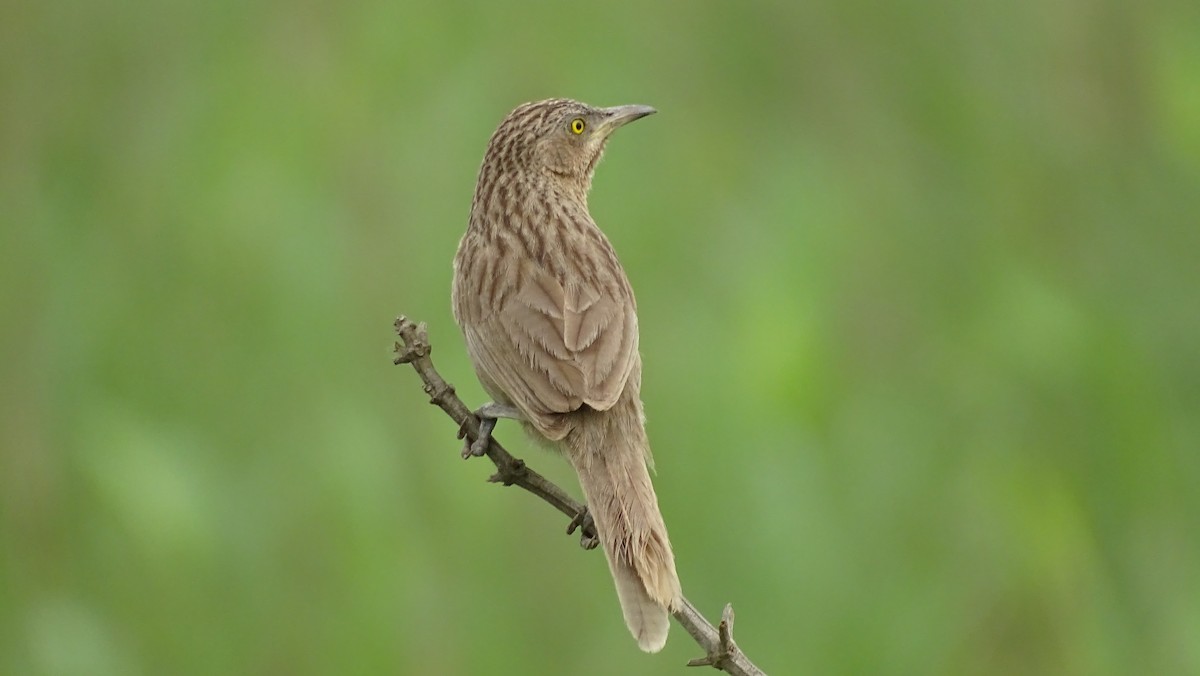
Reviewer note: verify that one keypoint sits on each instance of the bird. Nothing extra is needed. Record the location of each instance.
(550, 324)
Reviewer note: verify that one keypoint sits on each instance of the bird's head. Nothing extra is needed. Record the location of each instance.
(557, 137)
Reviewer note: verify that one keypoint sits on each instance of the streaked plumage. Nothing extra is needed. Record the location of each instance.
(550, 323)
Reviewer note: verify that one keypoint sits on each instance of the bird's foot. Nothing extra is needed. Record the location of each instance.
(477, 448)
(587, 529)
(487, 414)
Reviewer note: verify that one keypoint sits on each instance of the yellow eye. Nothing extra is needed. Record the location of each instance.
(577, 125)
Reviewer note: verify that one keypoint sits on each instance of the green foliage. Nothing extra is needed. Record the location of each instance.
(918, 294)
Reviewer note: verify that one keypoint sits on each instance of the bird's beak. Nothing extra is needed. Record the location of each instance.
(619, 116)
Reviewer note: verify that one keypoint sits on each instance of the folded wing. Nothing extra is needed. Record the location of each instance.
(577, 339)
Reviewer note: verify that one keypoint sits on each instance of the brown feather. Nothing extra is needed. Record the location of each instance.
(551, 325)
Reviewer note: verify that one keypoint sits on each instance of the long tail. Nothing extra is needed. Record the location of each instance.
(609, 451)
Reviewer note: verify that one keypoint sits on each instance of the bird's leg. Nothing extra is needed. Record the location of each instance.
(488, 414)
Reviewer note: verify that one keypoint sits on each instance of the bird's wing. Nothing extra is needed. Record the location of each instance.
(577, 343)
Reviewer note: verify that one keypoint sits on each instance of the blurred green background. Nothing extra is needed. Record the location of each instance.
(918, 293)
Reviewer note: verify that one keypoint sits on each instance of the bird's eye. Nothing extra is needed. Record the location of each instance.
(577, 125)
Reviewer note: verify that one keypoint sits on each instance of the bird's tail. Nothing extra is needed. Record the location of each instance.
(609, 451)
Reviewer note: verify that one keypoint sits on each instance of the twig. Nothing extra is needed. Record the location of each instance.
(721, 652)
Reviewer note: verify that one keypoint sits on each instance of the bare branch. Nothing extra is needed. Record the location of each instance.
(721, 652)
(725, 652)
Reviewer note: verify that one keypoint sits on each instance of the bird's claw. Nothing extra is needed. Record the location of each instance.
(475, 449)
(478, 447)
(587, 529)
